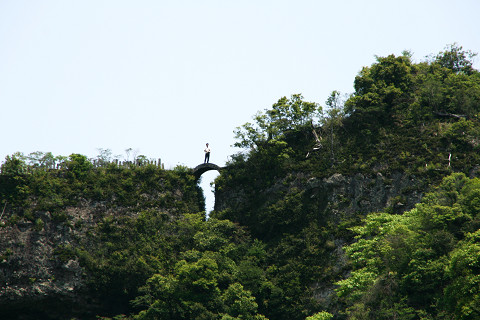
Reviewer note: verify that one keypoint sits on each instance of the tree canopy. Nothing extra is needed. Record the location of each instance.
(286, 114)
(316, 218)
(421, 263)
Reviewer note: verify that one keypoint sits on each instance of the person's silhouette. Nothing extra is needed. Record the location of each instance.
(207, 154)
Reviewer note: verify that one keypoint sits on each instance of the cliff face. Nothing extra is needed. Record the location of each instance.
(311, 216)
(38, 274)
(337, 196)
(54, 262)
(54, 258)
(346, 196)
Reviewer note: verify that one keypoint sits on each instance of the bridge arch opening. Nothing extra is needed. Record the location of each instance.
(208, 187)
(207, 173)
(204, 167)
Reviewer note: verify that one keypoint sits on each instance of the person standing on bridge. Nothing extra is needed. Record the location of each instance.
(207, 154)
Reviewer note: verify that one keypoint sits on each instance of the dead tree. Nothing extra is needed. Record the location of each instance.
(318, 142)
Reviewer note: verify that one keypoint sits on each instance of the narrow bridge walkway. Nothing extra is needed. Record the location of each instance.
(204, 167)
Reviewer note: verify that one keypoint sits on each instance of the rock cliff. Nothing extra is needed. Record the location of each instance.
(51, 251)
(326, 203)
(40, 274)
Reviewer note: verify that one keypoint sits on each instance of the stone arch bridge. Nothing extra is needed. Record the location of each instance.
(204, 167)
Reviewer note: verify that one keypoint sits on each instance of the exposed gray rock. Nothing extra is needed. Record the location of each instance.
(33, 270)
(332, 200)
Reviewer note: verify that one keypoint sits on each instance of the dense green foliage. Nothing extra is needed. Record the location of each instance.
(126, 231)
(285, 115)
(205, 281)
(422, 264)
(416, 119)
(52, 190)
(289, 239)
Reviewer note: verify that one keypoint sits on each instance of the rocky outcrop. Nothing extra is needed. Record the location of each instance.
(337, 195)
(55, 240)
(39, 271)
(329, 201)
(348, 195)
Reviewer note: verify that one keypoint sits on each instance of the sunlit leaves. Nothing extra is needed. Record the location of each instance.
(423, 254)
(284, 115)
(323, 315)
(204, 282)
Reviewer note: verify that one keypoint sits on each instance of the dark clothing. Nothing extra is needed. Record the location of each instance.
(207, 157)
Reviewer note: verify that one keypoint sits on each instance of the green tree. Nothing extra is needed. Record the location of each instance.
(333, 121)
(41, 159)
(286, 114)
(456, 59)
(422, 262)
(104, 155)
(239, 304)
(14, 164)
(381, 90)
(204, 283)
(78, 165)
(141, 160)
(323, 315)
(14, 184)
(463, 294)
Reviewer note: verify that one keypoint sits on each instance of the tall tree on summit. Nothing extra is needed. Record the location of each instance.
(285, 114)
(380, 90)
(456, 59)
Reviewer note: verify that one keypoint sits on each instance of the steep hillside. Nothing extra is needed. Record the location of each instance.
(309, 175)
(79, 241)
(365, 209)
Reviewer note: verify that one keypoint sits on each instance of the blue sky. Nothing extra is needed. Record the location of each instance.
(165, 77)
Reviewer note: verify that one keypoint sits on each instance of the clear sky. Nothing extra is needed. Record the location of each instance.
(165, 77)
